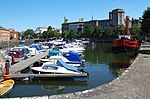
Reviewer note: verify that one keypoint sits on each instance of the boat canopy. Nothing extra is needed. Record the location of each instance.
(72, 56)
(60, 62)
(54, 51)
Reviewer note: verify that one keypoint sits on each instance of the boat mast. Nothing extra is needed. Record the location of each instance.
(127, 25)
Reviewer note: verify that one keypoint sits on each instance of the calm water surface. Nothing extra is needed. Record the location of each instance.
(100, 63)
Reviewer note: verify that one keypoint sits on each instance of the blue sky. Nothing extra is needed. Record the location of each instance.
(25, 14)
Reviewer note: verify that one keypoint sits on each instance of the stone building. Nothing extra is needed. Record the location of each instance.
(40, 30)
(116, 18)
(136, 22)
(8, 34)
(13, 34)
(4, 34)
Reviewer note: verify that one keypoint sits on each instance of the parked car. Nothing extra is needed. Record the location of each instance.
(25, 50)
(17, 54)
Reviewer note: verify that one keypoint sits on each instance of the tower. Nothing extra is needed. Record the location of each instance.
(116, 17)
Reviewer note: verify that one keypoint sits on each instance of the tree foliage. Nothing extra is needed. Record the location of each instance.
(29, 34)
(88, 30)
(72, 33)
(134, 30)
(109, 31)
(65, 34)
(45, 35)
(51, 32)
(97, 32)
(120, 30)
(146, 22)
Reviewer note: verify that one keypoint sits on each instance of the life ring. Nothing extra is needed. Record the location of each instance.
(7, 76)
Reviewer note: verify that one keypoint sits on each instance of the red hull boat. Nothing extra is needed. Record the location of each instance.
(124, 43)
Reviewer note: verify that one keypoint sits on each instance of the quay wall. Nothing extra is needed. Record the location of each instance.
(134, 83)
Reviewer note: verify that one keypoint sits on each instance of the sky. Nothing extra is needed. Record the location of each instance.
(30, 14)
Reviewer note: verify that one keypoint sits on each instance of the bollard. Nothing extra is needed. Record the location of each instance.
(7, 67)
(7, 75)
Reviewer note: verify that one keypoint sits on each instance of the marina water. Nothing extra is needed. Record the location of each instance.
(101, 64)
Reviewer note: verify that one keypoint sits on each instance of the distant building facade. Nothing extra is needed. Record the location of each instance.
(4, 34)
(136, 22)
(13, 34)
(40, 30)
(116, 18)
(8, 34)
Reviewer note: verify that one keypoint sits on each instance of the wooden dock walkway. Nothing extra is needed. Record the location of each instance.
(48, 75)
(18, 67)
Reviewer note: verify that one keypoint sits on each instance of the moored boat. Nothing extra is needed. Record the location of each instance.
(70, 57)
(6, 86)
(125, 43)
(59, 68)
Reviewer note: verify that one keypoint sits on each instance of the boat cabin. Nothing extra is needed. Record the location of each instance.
(124, 36)
(17, 54)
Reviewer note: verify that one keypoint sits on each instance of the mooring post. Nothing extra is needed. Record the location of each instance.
(7, 66)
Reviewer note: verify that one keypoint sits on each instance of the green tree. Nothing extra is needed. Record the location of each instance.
(134, 30)
(57, 34)
(146, 22)
(88, 30)
(45, 35)
(109, 31)
(120, 30)
(29, 33)
(20, 35)
(65, 34)
(72, 34)
(51, 32)
(49, 28)
(97, 32)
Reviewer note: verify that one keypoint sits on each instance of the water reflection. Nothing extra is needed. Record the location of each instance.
(46, 86)
(101, 53)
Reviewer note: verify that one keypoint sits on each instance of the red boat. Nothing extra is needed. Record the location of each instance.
(125, 43)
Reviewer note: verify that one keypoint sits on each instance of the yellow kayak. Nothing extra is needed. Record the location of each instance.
(6, 86)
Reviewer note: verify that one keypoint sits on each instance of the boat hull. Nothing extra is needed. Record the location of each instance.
(41, 72)
(123, 49)
(125, 45)
(6, 86)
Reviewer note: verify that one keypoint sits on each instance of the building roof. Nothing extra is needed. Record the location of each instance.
(2, 28)
(85, 22)
(118, 10)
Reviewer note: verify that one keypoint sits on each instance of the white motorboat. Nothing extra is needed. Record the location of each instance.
(53, 60)
(59, 68)
(71, 58)
(73, 48)
(35, 49)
